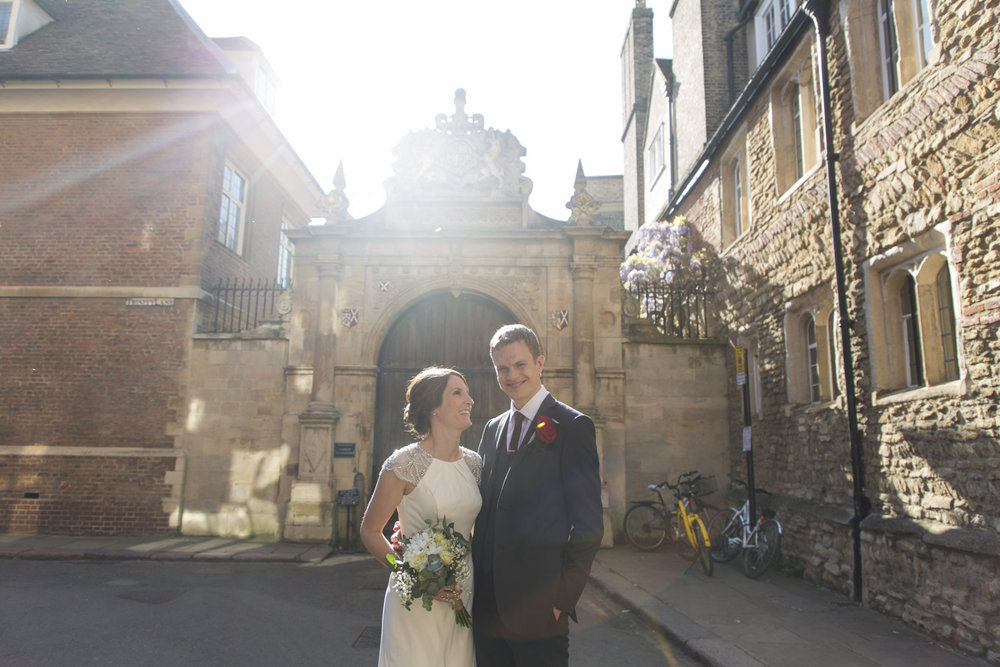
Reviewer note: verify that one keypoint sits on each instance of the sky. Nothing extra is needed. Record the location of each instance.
(357, 76)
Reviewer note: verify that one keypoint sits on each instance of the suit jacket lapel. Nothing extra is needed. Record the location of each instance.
(492, 456)
(543, 409)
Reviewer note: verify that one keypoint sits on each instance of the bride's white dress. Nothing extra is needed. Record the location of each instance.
(444, 489)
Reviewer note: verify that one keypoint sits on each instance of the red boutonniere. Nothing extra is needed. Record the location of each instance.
(544, 430)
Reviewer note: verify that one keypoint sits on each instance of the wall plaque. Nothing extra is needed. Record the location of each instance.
(343, 450)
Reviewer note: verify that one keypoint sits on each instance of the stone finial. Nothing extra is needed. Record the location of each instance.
(459, 123)
(581, 205)
(335, 203)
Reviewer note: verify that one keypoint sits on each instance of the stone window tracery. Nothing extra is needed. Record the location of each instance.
(809, 355)
(795, 131)
(832, 350)
(812, 356)
(913, 333)
(889, 42)
(735, 192)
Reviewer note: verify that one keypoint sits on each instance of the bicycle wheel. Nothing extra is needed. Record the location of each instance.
(757, 558)
(725, 531)
(645, 527)
(680, 538)
(701, 546)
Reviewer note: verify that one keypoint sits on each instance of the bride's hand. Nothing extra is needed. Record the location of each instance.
(449, 594)
(397, 534)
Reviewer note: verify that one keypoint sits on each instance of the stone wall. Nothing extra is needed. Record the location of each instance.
(231, 431)
(924, 160)
(675, 415)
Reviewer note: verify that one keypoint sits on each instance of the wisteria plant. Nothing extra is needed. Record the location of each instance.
(665, 254)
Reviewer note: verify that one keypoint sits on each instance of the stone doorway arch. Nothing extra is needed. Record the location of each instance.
(442, 329)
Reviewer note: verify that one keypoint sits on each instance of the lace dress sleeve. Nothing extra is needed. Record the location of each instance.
(409, 463)
(475, 463)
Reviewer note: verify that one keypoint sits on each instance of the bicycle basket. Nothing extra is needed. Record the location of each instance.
(705, 486)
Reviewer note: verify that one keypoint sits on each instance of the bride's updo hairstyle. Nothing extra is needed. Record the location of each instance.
(423, 395)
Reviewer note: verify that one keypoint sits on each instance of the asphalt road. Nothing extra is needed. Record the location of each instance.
(154, 613)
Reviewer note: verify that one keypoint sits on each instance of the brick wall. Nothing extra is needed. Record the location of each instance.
(267, 205)
(90, 372)
(100, 200)
(85, 495)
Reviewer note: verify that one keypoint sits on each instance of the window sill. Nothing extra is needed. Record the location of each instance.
(813, 408)
(794, 187)
(895, 396)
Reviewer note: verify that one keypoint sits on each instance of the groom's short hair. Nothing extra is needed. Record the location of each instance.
(511, 333)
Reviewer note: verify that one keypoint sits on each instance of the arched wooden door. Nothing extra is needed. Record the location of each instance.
(441, 330)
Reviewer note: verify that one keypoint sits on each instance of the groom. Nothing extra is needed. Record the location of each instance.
(541, 522)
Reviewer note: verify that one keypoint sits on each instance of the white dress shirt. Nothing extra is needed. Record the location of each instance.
(529, 411)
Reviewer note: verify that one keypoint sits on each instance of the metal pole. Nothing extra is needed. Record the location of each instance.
(743, 377)
(818, 11)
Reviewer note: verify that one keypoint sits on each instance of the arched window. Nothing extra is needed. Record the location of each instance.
(911, 332)
(812, 355)
(890, 47)
(831, 344)
(946, 320)
(925, 33)
(796, 111)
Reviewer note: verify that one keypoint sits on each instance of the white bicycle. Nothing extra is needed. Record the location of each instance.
(731, 532)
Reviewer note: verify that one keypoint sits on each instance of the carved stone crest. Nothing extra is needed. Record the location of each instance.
(459, 158)
(560, 319)
(349, 317)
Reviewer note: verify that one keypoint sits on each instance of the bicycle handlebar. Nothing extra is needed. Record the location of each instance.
(688, 478)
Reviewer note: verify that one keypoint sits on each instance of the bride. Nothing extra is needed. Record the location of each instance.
(432, 479)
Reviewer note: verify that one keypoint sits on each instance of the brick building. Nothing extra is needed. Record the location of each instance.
(886, 474)
(140, 169)
(140, 175)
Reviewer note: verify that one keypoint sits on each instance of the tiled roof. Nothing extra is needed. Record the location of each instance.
(114, 38)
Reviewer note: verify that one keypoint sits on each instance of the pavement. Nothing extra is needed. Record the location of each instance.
(724, 620)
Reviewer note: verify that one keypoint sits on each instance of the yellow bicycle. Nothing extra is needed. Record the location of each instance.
(687, 517)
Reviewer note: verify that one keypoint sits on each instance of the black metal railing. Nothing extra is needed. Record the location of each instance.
(677, 309)
(241, 304)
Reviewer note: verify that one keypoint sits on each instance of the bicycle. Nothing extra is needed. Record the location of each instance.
(648, 522)
(731, 533)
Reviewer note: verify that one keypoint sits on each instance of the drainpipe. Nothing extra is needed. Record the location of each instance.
(819, 12)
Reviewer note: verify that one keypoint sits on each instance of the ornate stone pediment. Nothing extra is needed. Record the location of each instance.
(459, 159)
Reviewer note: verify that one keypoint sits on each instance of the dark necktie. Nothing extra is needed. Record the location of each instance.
(515, 439)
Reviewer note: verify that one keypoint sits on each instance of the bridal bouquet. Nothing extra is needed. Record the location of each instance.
(433, 558)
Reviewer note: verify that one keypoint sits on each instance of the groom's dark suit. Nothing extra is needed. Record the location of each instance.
(541, 523)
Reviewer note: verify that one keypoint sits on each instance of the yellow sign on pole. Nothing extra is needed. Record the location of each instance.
(741, 359)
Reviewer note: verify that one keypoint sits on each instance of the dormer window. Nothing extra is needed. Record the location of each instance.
(19, 18)
(771, 19)
(6, 21)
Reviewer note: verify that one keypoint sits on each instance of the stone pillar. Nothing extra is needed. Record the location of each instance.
(583, 332)
(310, 515)
(584, 269)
